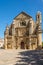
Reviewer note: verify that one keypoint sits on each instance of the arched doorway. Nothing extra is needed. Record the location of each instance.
(22, 45)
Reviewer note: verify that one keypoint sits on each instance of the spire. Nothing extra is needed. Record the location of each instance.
(7, 27)
(7, 30)
(38, 17)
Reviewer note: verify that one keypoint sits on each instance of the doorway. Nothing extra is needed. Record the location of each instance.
(22, 45)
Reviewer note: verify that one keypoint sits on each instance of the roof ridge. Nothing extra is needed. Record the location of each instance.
(24, 14)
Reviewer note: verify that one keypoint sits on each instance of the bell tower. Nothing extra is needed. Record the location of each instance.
(39, 30)
(38, 17)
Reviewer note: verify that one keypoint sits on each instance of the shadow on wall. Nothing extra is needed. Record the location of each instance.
(34, 57)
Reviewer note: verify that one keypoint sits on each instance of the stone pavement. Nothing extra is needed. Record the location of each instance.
(21, 57)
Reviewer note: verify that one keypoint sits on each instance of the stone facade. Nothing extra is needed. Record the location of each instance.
(1, 42)
(24, 33)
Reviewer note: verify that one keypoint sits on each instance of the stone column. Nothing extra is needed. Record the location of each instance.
(36, 43)
(31, 26)
(39, 35)
(18, 43)
(12, 42)
(30, 42)
(39, 39)
(5, 42)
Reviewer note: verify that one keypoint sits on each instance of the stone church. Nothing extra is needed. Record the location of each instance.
(24, 33)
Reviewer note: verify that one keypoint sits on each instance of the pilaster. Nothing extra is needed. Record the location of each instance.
(30, 42)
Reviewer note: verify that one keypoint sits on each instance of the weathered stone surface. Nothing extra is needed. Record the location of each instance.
(24, 33)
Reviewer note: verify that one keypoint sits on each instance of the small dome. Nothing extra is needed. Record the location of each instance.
(38, 12)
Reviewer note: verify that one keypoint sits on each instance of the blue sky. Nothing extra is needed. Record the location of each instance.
(10, 8)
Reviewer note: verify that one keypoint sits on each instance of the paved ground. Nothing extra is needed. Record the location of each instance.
(21, 57)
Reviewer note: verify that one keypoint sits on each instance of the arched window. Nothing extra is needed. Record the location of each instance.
(23, 23)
